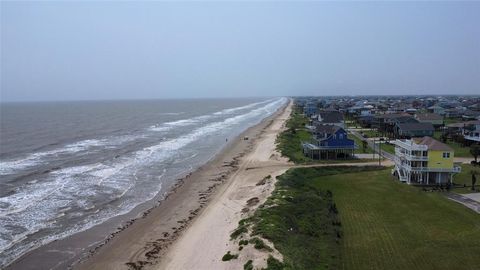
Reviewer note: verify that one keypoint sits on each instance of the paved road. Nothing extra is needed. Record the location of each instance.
(468, 202)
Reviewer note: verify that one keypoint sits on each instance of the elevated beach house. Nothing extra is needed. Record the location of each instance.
(329, 142)
(424, 161)
(471, 132)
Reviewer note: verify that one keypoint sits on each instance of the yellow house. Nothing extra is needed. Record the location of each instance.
(424, 161)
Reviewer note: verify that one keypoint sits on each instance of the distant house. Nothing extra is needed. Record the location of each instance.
(471, 132)
(437, 109)
(471, 115)
(433, 118)
(331, 118)
(408, 130)
(329, 142)
(310, 108)
(386, 122)
(474, 107)
(366, 121)
(454, 112)
(424, 161)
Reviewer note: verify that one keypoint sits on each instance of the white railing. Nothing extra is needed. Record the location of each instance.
(399, 153)
(472, 138)
(410, 146)
(454, 169)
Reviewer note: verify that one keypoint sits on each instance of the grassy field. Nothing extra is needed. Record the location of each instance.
(370, 133)
(465, 178)
(383, 224)
(390, 148)
(358, 142)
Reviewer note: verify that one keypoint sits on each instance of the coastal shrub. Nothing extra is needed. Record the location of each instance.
(228, 256)
(259, 244)
(248, 265)
(243, 242)
(238, 231)
(274, 264)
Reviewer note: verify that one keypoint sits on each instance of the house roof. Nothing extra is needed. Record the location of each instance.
(331, 117)
(432, 144)
(329, 129)
(392, 115)
(462, 124)
(428, 117)
(415, 126)
(405, 119)
(436, 106)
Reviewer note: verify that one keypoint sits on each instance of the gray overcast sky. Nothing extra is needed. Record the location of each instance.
(121, 50)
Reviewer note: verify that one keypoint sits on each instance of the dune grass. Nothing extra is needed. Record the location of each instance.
(378, 223)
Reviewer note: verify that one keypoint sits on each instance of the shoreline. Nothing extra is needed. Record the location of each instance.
(240, 196)
(169, 213)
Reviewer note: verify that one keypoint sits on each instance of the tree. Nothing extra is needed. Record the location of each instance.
(443, 138)
(475, 151)
(474, 178)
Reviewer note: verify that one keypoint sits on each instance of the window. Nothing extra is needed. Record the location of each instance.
(446, 154)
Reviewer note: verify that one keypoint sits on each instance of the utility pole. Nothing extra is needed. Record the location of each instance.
(380, 151)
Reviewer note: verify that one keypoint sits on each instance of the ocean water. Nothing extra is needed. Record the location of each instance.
(68, 166)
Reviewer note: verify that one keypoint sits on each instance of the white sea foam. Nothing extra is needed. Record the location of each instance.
(37, 205)
(13, 166)
(199, 119)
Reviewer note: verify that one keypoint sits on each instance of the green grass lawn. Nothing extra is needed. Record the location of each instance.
(358, 142)
(371, 133)
(465, 178)
(390, 148)
(389, 225)
(384, 224)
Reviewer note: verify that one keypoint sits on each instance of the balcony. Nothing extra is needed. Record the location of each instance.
(410, 146)
(472, 138)
(401, 154)
(454, 169)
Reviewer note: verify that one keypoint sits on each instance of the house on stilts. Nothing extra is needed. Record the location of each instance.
(424, 161)
(329, 142)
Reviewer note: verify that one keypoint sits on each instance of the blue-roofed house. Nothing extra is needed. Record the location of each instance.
(329, 142)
